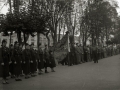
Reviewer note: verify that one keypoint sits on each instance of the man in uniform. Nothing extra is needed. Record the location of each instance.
(27, 59)
(5, 62)
(12, 65)
(95, 54)
(46, 57)
(40, 56)
(77, 52)
(33, 63)
(21, 57)
(85, 54)
(82, 54)
(17, 62)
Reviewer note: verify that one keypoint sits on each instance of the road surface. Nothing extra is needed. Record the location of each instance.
(104, 75)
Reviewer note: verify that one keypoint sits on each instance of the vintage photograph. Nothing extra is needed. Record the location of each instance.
(59, 44)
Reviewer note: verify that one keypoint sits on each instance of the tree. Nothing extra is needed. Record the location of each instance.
(99, 19)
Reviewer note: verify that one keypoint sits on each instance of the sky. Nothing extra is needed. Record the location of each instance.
(5, 9)
(119, 6)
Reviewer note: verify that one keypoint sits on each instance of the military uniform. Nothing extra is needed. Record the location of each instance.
(12, 65)
(82, 54)
(5, 60)
(95, 54)
(33, 64)
(88, 54)
(85, 54)
(91, 54)
(18, 61)
(40, 58)
(22, 59)
(0, 62)
(27, 59)
(52, 61)
(77, 52)
(47, 59)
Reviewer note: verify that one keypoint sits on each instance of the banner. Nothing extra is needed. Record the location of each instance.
(62, 48)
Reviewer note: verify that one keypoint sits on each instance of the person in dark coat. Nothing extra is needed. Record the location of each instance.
(85, 54)
(33, 63)
(5, 62)
(17, 62)
(95, 54)
(82, 54)
(52, 61)
(46, 57)
(21, 57)
(27, 59)
(12, 65)
(40, 54)
(77, 52)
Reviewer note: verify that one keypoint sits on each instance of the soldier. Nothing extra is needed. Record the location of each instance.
(88, 54)
(12, 65)
(5, 62)
(46, 57)
(77, 52)
(40, 55)
(33, 61)
(72, 55)
(52, 61)
(85, 54)
(27, 59)
(91, 54)
(99, 52)
(82, 54)
(17, 62)
(21, 57)
(95, 54)
(102, 52)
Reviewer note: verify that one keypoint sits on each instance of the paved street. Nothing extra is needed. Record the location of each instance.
(89, 76)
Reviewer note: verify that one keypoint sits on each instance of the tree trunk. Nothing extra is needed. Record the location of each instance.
(19, 37)
(55, 36)
(26, 36)
(59, 33)
(10, 6)
(38, 39)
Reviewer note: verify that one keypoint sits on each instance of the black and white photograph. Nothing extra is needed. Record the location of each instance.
(59, 44)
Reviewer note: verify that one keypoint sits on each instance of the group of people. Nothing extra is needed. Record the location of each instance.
(17, 62)
(79, 54)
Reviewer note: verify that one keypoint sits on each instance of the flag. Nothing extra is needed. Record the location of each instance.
(62, 48)
(61, 45)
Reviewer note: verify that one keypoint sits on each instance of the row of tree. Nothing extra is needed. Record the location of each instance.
(91, 19)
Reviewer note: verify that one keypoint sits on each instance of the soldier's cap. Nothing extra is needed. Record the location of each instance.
(26, 44)
(32, 44)
(39, 44)
(4, 41)
(11, 45)
(50, 51)
(15, 42)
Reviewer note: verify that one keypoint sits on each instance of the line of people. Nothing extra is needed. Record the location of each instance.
(16, 62)
(79, 54)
